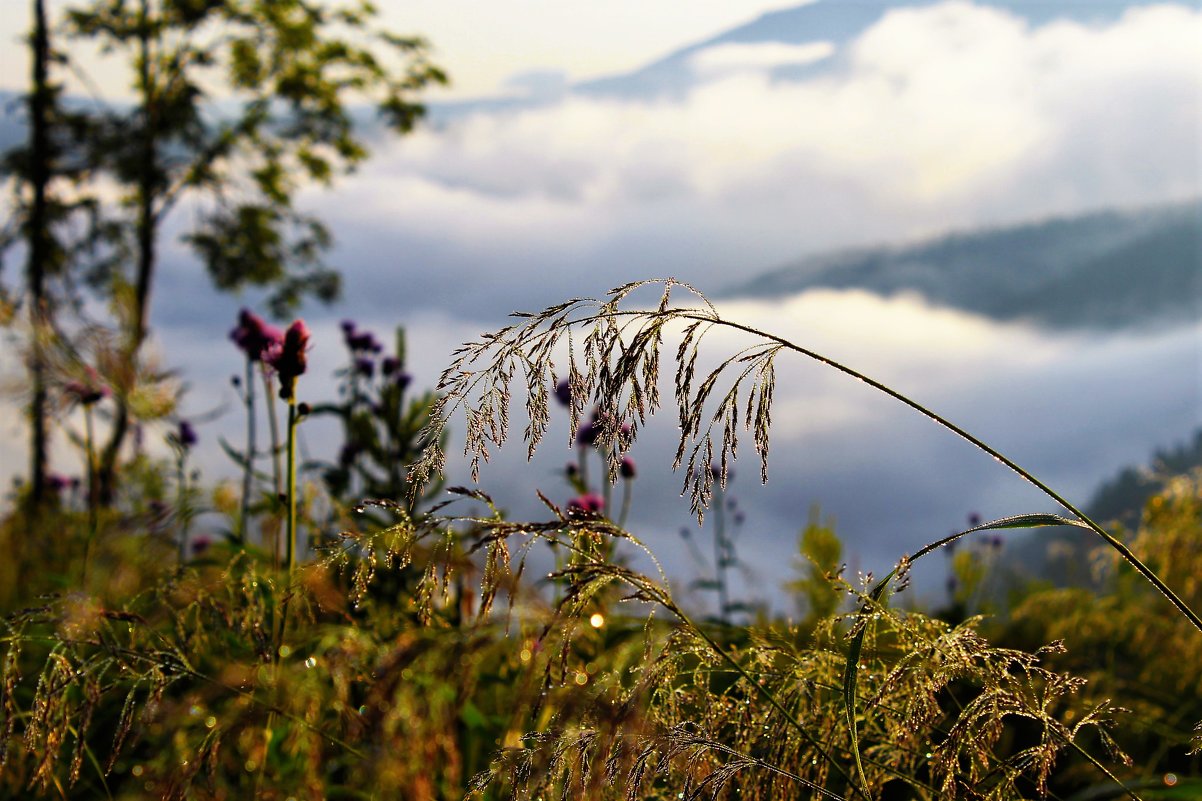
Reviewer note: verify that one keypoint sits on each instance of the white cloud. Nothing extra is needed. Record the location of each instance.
(937, 117)
(759, 56)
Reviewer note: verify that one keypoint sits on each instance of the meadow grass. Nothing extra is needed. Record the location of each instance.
(407, 652)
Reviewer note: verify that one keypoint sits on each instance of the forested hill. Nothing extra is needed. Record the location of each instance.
(1106, 270)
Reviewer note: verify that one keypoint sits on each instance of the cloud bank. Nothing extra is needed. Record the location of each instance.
(936, 117)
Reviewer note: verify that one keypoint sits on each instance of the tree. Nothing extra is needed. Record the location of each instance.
(237, 104)
(47, 223)
(39, 146)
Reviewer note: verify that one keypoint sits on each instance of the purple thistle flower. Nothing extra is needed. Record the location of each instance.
(56, 482)
(201, 544)
(563, 392)
(626, 468)
(363, 341)
(588, 503)
(365, 367)
(186, 434)
(402, 380)
(716, 473)
(253, 336)
(288, 358)
(587, 433)
(390, 365)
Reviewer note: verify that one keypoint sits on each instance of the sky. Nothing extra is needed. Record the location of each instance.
(484, 45)
(947, 117)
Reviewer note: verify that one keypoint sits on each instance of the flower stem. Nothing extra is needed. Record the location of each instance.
(290, 542)
(93, 490)
(273, 422)
(249, 467)
(182, 504)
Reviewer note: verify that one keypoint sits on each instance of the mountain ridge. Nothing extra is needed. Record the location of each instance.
(1107, 270)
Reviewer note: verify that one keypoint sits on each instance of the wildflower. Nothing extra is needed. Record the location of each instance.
(587, 433)
(56, 482)
(571, 470)
(363, 341)
(201, 544)
(402, 380)
(626, 468)
(253, 336)
(88, 390)
(588, 503)
(974, 520)
(186, 434)
(563, 392)
(390, 365)
(287, 357)
(716, 473)
(365, 367)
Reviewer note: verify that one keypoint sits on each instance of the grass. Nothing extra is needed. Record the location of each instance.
(408, 653)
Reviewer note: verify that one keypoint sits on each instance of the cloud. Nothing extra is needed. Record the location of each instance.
(758, 56)
(936, 117)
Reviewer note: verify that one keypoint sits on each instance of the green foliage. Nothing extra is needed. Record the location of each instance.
(821, 552)
(240, 88)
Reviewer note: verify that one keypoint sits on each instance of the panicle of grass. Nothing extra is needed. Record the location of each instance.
(621, 348)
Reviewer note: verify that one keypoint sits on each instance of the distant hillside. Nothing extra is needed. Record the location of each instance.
(1107, 270)
(1061, 555)
(1122, 498)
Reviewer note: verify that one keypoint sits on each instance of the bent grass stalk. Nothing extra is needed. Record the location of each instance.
(621, 370)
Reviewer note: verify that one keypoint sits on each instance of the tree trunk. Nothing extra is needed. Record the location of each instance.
(39, 252)
(147, 231)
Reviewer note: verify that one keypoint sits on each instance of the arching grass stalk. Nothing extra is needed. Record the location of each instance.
(621, 352)
(621, 358)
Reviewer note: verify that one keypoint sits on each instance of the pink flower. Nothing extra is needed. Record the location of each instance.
(253, 336)
(588, 503)
(287, 357)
